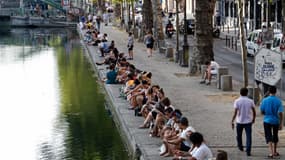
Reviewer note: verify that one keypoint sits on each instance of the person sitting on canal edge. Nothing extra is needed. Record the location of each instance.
(111, 75)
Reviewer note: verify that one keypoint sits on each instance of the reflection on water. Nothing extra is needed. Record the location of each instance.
(51, 106)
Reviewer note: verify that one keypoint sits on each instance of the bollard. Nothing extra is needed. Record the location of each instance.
(226, 40)
(229, 42)
(253, 93)
(228, 29)
(226, 83)
(236, 44)
(221, 71)
(232, 42)
(169, 52)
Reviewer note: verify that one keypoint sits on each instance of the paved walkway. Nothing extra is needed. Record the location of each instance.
(209, 110)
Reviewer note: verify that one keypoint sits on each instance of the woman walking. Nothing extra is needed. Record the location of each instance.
(149, 41)
(131, 46)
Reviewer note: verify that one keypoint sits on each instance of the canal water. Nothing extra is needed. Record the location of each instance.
(51, 105)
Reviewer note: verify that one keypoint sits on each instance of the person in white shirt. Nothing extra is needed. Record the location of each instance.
(244, 115)
(94, 19)
(212, 69)
(181, 142)
(201, 151)
(89, 17)
(198, 151)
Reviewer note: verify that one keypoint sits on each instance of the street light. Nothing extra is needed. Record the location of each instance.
(177, 33)
(184, 60)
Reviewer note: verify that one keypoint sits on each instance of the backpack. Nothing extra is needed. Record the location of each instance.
(149, 40)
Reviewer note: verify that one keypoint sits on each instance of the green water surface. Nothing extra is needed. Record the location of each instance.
(52, 107)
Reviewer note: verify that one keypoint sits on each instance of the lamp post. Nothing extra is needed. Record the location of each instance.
(177, 33)
(184, 60)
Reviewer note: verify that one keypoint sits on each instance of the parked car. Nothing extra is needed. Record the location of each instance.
(279, 45)
(190, 26)
(254, 41)
(181, 20)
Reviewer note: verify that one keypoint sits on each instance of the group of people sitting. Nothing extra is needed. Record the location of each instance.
(148, 100)
(163, 120)
(178, 138)
(93, 37)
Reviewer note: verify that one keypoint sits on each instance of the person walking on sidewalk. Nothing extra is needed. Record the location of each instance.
(149, 42)
(244, 114)
(131, 46)
(98, 22)
(272, 109)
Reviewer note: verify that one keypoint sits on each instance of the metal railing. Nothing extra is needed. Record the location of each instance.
(9, 11)
(54, 4)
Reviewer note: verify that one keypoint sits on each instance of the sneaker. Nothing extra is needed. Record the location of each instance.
(208, 83)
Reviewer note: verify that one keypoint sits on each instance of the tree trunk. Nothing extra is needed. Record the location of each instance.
(101, 7)
(242, 43)
(157, 20)
(203, 42)
(117, 10)
(283, 17)
(147, 18)
(122, 23)
(133, 15)
(129, 16)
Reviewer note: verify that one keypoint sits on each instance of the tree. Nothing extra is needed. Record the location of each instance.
(203, 45)
(157, 20)
(119, 10)
(242, 40)
(147, 18)
(283, 17)
(133, 15)
(100, 6)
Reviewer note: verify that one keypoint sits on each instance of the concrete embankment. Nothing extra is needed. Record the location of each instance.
(208, 108)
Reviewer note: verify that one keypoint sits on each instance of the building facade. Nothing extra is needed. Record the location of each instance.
(226, 11)
(255, 13)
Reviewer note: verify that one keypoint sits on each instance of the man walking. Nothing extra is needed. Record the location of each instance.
(244, 114)
(272, 109)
